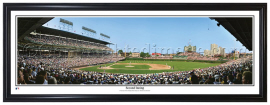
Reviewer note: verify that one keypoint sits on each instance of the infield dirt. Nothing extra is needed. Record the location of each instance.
(153, 66)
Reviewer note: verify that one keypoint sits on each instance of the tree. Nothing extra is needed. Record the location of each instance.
(130, 53)
(120, 51)
(147, 55)
(221, 57)
(142, 54)
(179, 53)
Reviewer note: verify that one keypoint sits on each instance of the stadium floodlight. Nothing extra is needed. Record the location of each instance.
(143, 49)
(128, 49)
(161, 50)
(126, 46)
(105, 35)
(240, 51)
(65, 24)
(155, 46)
(66, 21)
(149, 46)
(199, 50)
(178, 48)
(168, 50)
(134, 49)
(88, 29)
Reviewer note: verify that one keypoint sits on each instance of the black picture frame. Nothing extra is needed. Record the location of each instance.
(8, 7)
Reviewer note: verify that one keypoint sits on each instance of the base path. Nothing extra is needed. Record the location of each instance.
(129, 66)
(158, 67)
(107, 67)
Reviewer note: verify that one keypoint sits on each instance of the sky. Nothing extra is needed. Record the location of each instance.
(169, 33)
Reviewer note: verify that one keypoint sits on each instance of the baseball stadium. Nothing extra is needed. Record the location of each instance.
(60, 55)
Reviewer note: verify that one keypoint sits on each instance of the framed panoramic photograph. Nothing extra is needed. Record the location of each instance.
(141, 52)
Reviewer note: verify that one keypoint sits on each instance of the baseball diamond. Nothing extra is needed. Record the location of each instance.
(142, 67)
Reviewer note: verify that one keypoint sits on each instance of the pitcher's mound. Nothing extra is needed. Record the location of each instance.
(129, 66)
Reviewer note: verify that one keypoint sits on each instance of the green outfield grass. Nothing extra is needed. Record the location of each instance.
(178, 66)
(135, 66)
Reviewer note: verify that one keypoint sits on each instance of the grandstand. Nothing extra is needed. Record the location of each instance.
(60, 49)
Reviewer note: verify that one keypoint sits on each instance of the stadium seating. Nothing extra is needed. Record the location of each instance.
(60, 68)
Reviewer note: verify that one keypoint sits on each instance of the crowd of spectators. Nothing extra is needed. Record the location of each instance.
(45, 71)
(55, 62)
(189, 54)
(186, 58)
(56, 40)
(202, 58)
(159, 57)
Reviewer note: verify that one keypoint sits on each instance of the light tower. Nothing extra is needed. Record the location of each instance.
(144, 49)
(178, 48)
(155, 46)
(199, 51)
(88, 31)
(125, 50)
(134, 49)
(65, 25)
(161, 50)
(240, 52)
(149, 46)
(104, 36)
(168, 50)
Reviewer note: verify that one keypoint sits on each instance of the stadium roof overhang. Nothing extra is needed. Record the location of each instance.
(240, 28)
(51, 31)
(27, 25)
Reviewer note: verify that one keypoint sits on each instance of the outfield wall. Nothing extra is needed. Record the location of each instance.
(180, 57)
(220, 61)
